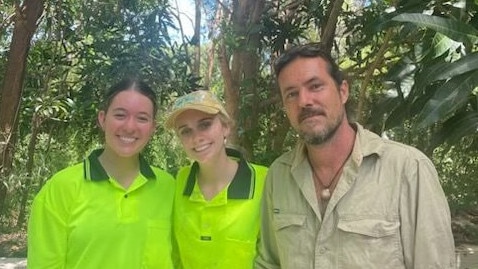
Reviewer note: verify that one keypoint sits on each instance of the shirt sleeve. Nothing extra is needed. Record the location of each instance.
(47, 230)
(267, 256)
(425, 218)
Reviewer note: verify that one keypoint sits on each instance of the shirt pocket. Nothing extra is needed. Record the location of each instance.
(238, 254)
(158, 246)
(294, 240)
(371, 242)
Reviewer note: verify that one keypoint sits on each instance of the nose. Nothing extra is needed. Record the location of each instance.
(130, 124)
(304, 99)
(196, 136)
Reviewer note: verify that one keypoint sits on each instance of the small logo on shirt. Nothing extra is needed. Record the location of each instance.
(205, 238)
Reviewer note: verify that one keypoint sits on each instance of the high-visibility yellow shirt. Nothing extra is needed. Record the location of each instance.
(221, 233)
(83, 219)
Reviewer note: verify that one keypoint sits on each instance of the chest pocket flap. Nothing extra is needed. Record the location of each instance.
(287, 220)
(369, 227)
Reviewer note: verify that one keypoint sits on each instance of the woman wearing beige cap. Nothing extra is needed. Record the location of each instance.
(217, 201)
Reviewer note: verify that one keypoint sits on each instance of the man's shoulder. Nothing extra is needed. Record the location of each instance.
(384, 146)
(402, 151)
(286, 158)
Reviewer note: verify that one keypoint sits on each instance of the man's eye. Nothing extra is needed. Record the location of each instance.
(291, 94)
(315, 86)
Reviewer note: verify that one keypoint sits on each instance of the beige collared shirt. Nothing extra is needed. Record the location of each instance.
(388, 210)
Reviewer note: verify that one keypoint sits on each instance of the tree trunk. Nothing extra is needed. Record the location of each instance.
(230, 85)
(26, 19)
(243, 69)
(330, 23)
(210, 65)
(196, 39)
(361, 103)
(230, 88)
(212, 49)
(36, 122)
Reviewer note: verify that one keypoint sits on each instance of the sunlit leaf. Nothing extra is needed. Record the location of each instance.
(456, 127)
(454, 29)
(445, 70)
(450, 96)
(442, 44)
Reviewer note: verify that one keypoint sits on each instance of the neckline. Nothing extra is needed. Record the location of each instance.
(325, 189)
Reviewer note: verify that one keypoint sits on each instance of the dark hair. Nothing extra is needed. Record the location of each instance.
(310, 50)
(130, 84)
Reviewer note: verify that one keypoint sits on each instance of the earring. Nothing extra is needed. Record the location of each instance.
(225, 141)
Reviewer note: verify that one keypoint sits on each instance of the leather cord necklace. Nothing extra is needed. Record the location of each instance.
(325, 192)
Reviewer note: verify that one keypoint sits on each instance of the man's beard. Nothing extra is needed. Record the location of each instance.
(322, 136)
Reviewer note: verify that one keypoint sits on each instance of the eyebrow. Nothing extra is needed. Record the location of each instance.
(118, 109)
(313, 79)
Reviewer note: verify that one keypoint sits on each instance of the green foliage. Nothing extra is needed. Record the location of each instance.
(429, 71)
(51, 156)
(165, 151)
(457, 168)
(288, 22)
(449, 97)
(456, 30)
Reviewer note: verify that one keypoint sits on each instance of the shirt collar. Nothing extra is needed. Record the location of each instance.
(94, 171)
(366, 144)
(241, 186)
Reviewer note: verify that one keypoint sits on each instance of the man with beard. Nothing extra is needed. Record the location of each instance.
(345, 197)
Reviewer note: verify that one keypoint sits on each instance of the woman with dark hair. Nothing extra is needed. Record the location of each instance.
(113, 210)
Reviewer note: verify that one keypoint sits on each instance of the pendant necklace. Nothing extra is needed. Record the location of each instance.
(325, 192)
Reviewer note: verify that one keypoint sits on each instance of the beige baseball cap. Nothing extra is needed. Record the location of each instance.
(201, 100)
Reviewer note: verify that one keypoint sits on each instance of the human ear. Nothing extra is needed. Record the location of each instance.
(344, 91)
(101, 119)
(226, 130)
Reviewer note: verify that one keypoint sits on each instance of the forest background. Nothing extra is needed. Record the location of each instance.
(412, 64)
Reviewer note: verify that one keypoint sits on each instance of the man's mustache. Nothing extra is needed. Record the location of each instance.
(307, 112)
